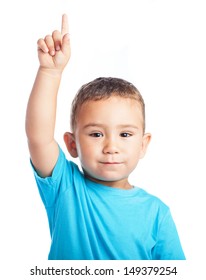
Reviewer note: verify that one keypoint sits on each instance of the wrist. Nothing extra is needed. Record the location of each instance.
(50, 72)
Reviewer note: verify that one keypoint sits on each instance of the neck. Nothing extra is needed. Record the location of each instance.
(121, 184)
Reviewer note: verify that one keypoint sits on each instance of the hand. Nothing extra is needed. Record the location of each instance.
(54, 50)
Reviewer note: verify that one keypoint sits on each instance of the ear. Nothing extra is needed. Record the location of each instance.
(145, 142)
(70, 144)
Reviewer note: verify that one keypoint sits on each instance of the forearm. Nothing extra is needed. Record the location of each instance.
(41, 109)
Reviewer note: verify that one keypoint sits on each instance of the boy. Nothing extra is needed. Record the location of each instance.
(95, 214)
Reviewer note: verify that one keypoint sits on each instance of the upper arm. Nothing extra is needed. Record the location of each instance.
(168, 245)
(44, 157)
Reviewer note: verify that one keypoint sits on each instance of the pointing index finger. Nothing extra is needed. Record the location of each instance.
(65, 25)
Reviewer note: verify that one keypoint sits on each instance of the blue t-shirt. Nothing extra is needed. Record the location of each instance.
(90, 221)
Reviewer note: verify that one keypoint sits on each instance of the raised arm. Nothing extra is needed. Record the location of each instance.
(54, 53)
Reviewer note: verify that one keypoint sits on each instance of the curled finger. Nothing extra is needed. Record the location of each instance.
(41, 45)
(50, 44)
(57, 39)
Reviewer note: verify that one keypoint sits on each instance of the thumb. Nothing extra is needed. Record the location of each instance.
(66, 49)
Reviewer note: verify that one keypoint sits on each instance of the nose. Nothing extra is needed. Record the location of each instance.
(110, 147)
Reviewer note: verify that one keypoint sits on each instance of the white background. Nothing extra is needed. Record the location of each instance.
(158, 45)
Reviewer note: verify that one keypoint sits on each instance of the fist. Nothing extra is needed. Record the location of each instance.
(54, 50)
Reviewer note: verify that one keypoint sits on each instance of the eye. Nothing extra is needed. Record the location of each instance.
(96, 134)
(125, 134)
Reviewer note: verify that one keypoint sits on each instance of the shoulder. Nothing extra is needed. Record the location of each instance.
(153, 202)
(147, 195)
(63, 168)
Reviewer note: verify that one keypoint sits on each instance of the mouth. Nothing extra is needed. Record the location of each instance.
(111, 163)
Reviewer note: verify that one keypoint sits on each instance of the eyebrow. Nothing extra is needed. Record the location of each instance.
(103, 126)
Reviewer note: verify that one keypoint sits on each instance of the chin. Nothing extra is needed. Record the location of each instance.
(104, 177)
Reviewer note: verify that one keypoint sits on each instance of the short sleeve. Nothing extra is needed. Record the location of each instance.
(49, 187)
(168, 246)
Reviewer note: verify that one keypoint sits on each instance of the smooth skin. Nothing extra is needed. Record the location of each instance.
(108, 138)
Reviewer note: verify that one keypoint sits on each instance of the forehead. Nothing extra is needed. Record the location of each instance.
(111, 111)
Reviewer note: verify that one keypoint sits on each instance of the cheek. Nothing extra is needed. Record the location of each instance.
(85, 149)
(134, 150)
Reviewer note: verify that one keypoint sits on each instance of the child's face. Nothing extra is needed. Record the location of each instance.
(109, 139)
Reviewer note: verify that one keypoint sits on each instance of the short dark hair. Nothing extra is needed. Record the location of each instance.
(103, 88)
